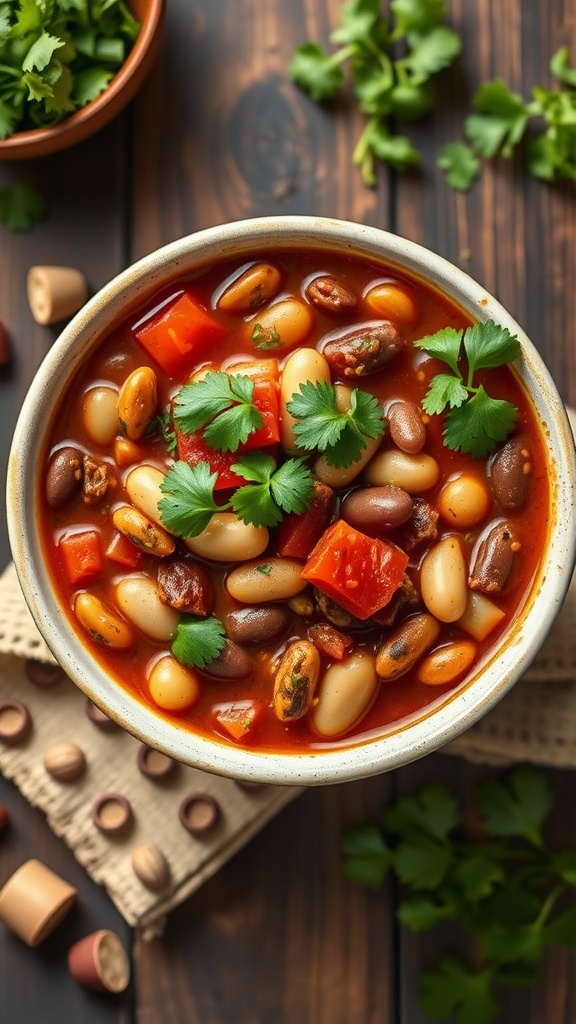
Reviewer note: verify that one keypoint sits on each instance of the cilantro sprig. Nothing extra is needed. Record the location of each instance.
(222, 404)
(197, 642)
(388, 83)
(58, 55)
(188, 503)
(475, 422)
(512, 893)
(341, 436)
(499, 126)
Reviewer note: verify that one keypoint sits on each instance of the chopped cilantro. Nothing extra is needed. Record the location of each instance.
(475, 422)
(265, 338)
(339, 435)
(198, 641)
(222, 405)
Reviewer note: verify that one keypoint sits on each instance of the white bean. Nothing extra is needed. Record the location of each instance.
(143, 487)
(267, 579)
(303, 366)
(443, 580)
(172, 685)
(138, 599)
(464, 500)
(345, 693)
(100, 414)
(413, 473)
(228, 539)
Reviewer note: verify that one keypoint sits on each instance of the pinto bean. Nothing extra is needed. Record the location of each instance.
(393, 301)
(251, 288)
(232, 663)
(282, 326)
(406, 645)
(406, 427)
(258, 625)
(64, 476)
(143, 489)
(447, 664)
(493, 557)
(510, 473)
(377, 508)
(102, 623)
(173, 686)
(330, 296)
(295, 681)
(184, 584)
(464, 500)
(360, 350)
(138, 402)
(145, 534)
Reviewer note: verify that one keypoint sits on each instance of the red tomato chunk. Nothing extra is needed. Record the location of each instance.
(179, 335)
(82, 555)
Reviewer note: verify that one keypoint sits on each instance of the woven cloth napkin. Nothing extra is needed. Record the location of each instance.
(535, 721)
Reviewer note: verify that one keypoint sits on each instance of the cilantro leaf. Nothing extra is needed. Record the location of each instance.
(40, 53)
(444, 390)
(222, 404)
(313, 70)
(422, 862)
(367, 858)
(421, 912)
(517, 806)
(476, 426)
(321, 425)
(444, 345)
(21, 206)
(188, 505)
(488, 345)
(359, 19)
(501, 120)
(460, 165)
(560, 67)
(417, 16)
(197, 642)
(456, 990)
(432, 52)
(272, 491)
(432, 811)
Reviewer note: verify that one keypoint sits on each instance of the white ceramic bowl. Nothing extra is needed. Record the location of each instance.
(406, 740)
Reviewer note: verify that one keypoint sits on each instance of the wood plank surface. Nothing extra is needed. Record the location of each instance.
(219, 133)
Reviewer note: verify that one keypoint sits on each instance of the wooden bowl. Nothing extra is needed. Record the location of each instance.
(89, 119)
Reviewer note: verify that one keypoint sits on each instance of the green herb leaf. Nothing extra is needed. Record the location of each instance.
(417, 16)
(197, 642)
(419, 913)
(339, 435)
(501, 120)
(561, 67)
(453, 990)
(272, 491)
(432, 811)
(265, 338)
(444, 345)
(188, 505)
(222, 404)
(477, 426)
(488, 345)
(460, 165)
(516, 807)
(367, 858)
(314, 71)
(21, 206)
(432, 52)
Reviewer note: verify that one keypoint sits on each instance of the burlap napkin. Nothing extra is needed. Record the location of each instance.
(535, 721)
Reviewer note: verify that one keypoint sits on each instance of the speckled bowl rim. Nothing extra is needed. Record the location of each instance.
(405, 741)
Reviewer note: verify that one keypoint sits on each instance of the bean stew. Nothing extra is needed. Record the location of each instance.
(279, 513)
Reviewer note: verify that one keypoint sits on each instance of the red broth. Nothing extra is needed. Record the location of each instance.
(226, 339)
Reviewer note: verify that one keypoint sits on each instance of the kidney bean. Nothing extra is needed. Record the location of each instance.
(64, 476)
(330, 296)
(510, 472)
(184, 584)
(360, 350)
(443, 580)
(377, 508)
(258, 625)
(295, 681)
(493, 557)
(232, 663)
(406, 427)
(406, 645)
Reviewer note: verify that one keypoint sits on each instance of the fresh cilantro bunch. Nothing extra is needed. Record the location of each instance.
(339, 435)
(222, 405)
(509, 891)
(474, 423)
(188, 503)
(500, 122)
(392, 67)
(56, 56)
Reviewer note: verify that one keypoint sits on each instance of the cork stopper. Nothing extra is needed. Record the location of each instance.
(33, 902)
(55, 293)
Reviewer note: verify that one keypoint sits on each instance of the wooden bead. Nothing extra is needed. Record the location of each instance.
(55, 293)
(64, 761)
(150, 866)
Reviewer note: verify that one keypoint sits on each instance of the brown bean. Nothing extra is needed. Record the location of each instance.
(233, 662)
(251, 289)
(145, 534)
(363, 349)
(258, 625)
(492, 558)
(377, 508)
(406, 427)
(330, 296)
(330, 641)
(137, 402)
(184, 584)
(510, 473)
(295, 681)
(406, 645)
(64, 476)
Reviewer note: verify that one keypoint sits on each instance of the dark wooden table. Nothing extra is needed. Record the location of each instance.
(220, 133)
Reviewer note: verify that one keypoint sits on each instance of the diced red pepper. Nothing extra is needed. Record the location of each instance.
(123, 552)
(192, 448)
(298, 533)
(239, 718)
(358, 572)
(180, 334)
(82, 555)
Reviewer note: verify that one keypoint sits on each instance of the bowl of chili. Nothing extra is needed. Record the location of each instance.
(300, 509)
